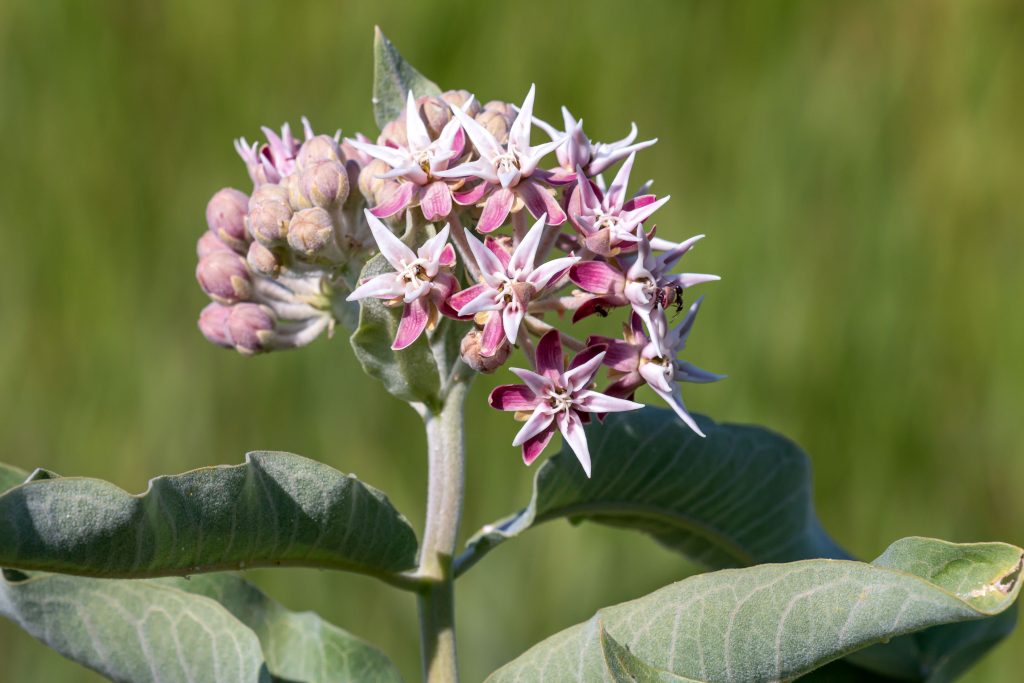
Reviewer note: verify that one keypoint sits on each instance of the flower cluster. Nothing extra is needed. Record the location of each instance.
(281, 263)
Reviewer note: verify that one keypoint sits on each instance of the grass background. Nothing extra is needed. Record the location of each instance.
(856, 166)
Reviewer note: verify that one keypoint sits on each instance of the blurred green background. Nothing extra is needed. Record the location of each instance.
(856, 166)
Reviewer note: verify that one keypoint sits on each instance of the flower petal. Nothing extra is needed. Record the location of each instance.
(596, 402)
(493, 335)
(582, 374)
(436, 201)
(597, 277)
(495, 210)
(688, 372)
(414, 320)
(524, 255)
(535, 424)
(480, 168)
(485, 300)
(550, 361)
(674, 399)
(533, 447)
(537, 383)
(482, 139)
(539, 202)
(572, 431)
(394, 202)
(513, 397)
(519, 131)
(512, 315)
(490, 266)
(415, 130)
(617, 190)
(383, 286)
(548, 273)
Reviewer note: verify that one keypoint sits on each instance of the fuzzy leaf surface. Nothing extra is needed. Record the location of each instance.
(779, 621)
(276, 509)
(393, 78)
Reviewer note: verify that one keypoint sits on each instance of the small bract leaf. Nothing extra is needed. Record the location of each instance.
(779, 621)
(276, 509)
(393, 78)
(297, 646)
(134, 631)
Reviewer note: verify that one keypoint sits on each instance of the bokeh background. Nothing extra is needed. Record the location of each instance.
(856, 166)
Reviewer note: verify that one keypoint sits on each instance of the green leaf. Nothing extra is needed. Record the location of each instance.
(393, 78)
(134, 631)
(416, 374)
(296, 646)
(739, 497)
(275, 509)
(10, 476)
(779, 621)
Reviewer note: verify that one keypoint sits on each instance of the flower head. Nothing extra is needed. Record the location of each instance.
(580, 152)
(508, 283)
(420, 281)
(607, 220)
(635, 360)
(557, 398)
(417, 164)
(506, 170)
(275, 159)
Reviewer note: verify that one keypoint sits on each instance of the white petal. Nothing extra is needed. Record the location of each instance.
(415, 131)
(525, 254)
(538, 384)
(383, 286)
(572, 430)
(390, 246)
(537, 423)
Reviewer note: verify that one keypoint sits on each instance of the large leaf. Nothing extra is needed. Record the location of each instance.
(296, 646)
(739, 497)
(393, 78)
(134, 631)
(416, 374)
(275, 509)
(10, 476)
(779, 621)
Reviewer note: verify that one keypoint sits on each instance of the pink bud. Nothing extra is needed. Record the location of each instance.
(497, 118)
(471, 350)
(318, 148)
(394, 132)
(311, 231)
(435, 113)
(373, 188)
(225, 214)
(224, 277)
(262, 260)
(459, 99)
(297, 199)
(213, 323)
(208, 244)
(250, 327)
(269, 213)
(325, 183)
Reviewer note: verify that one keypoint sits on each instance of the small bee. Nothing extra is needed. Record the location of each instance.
(601, 310)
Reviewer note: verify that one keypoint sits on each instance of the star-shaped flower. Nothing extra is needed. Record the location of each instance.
(606, 220)
(506, 171)
(275, 159)
(635, 360)
(420, 281)
(580, 152)
(417, 165)
(557, 398)
(508, 283)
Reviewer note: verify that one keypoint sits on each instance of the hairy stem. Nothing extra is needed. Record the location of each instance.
(445, 451)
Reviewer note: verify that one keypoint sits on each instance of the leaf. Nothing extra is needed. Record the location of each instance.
(10, 476)
(779, 621)
(275, 509)
(296, 646)
(417, 373)
(741, 496)
(134, 631)
(393, 78)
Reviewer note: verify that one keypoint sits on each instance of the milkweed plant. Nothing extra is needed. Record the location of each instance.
(470, 237)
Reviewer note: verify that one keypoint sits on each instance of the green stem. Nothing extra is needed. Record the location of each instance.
(446, 455)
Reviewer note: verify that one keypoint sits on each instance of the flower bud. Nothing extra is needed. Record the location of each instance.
(497, 118)
(318, 148)
(325, 183)
(208, 244)
(224, 277)
(459, 99)
(394, 131)
(472, 355)
(262, 260)
(225, 214)
(373, 188)
(311, 231)
(250, 327)
(213, 323)
(269, 213)
(435, 113)
(297, 199)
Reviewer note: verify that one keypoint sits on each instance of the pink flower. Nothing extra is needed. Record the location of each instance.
(420, 281)
(647, 285)
(274, 160)
(506, 171)
(556, 398)
(607, 222)
(635, 361)
(508, 284)
(580, 152)
(418, 165)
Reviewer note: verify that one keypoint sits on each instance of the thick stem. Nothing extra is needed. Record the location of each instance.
(446, 457)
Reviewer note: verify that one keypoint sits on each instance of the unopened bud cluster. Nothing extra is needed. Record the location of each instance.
(509, 243)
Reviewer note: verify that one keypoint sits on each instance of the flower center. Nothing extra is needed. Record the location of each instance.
(415, 272)
(506, 162)
(560, 399)
(607, 220)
